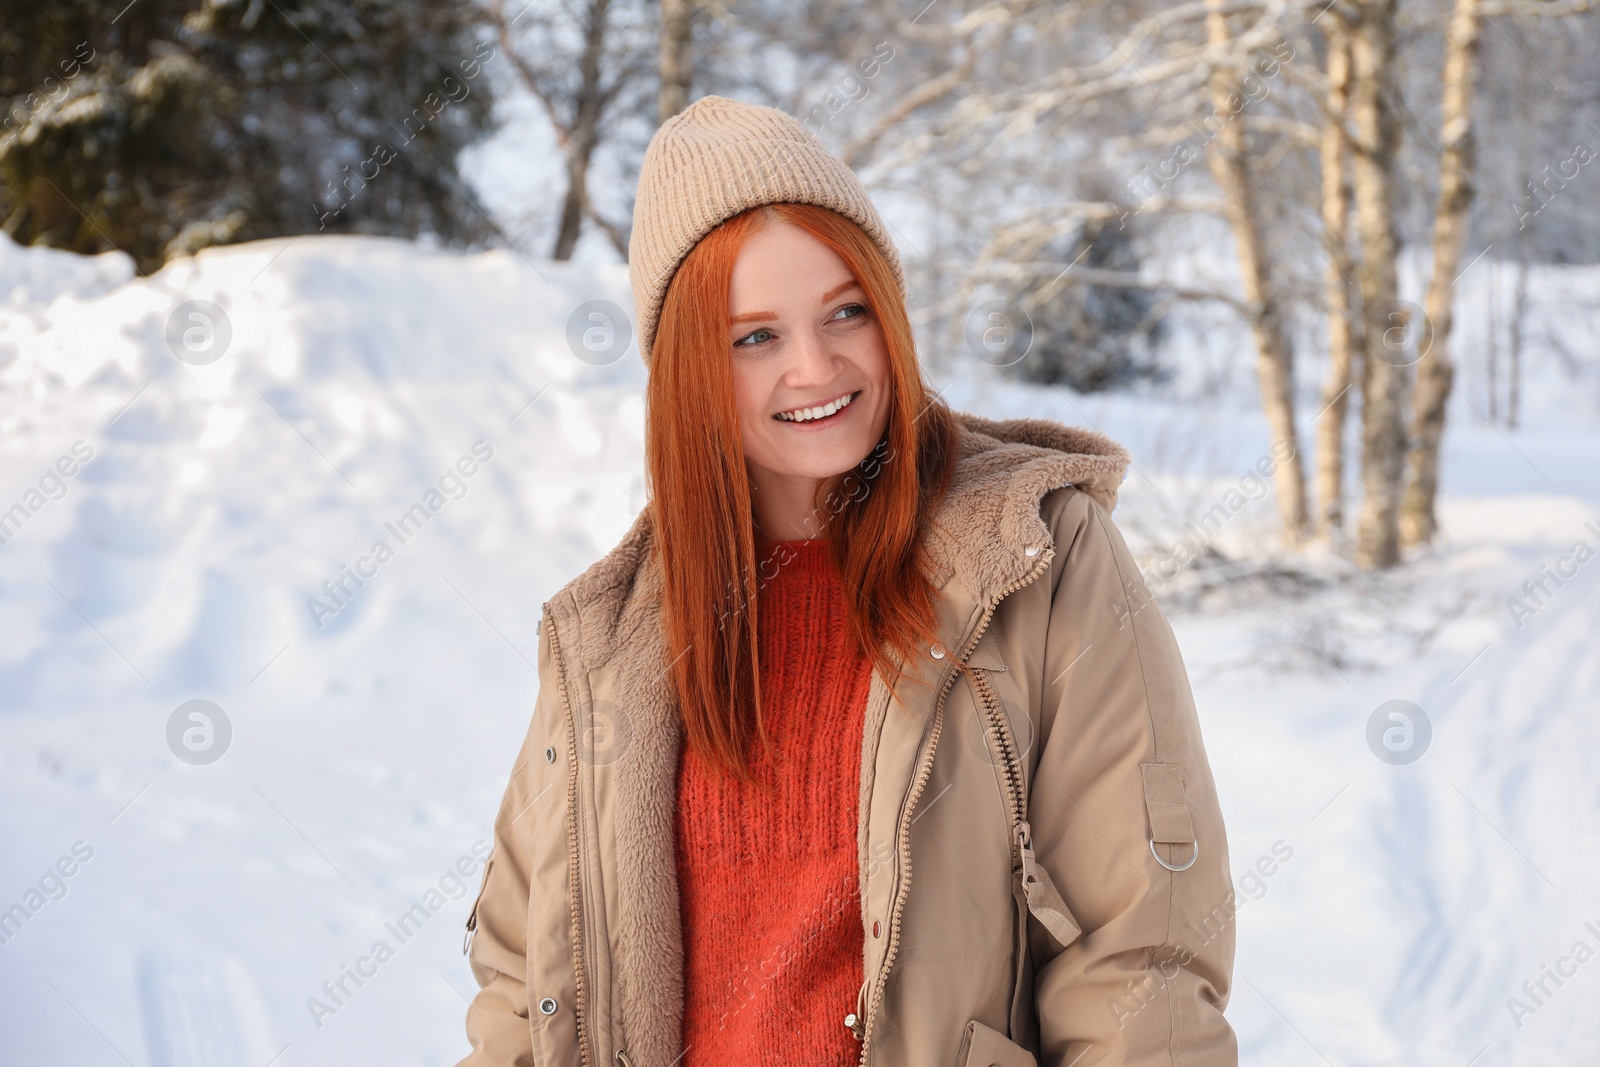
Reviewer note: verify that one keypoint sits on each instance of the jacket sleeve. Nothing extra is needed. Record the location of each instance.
(497, 1017)
(1121, 776)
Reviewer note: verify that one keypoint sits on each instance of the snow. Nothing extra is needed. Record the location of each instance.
(1388, 910)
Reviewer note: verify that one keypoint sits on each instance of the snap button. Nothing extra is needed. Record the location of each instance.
(936, 652)
(1031, 550)
(548, 1005)
(550, 755)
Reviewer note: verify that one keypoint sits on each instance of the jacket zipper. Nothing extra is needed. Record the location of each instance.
(863, 1027)
(1022, 854)
(574, 879)
(1010, 763)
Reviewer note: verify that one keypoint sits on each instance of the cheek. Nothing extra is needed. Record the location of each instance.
(874, 356)
(874, 363)
(750, 393)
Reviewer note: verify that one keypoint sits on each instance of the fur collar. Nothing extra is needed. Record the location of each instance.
(979, 536)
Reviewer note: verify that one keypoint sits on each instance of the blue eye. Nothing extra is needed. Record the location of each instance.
(858, 307)
(741, 342)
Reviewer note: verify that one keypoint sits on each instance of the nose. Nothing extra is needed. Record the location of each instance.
(811, 363)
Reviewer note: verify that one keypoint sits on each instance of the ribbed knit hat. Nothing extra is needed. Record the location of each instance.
(719, 157)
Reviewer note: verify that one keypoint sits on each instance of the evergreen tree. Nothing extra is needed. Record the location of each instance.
(1096, 337)
(178, 124)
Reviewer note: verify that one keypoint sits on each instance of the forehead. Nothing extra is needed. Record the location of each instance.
(785, 264)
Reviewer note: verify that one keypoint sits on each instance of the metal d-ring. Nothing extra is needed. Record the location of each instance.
(1170, 867)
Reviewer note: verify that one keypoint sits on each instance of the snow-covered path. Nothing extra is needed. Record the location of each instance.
(224, 886)
(1421, 896)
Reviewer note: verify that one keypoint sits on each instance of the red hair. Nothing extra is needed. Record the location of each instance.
(701, 519)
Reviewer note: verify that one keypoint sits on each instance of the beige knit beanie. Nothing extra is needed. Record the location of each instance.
(714, 159)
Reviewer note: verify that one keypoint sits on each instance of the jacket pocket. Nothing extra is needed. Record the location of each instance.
(984, 1046)
(472, 916)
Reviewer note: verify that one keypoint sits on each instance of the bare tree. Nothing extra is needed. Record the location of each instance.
(1384, 321)
(1519, 316)
(1452, 219)
(1435, 369)
(1342, 337)
(1230, 168)
(1492, 356)
(579, 91)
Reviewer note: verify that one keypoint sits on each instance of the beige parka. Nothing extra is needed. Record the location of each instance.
(1048, 782)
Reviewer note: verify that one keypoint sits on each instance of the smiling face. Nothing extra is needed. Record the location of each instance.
(810, 373)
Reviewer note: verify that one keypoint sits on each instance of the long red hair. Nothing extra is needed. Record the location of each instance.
(703, 529)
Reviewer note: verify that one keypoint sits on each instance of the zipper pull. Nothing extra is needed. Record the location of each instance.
(1042, 897)
(1025, 855)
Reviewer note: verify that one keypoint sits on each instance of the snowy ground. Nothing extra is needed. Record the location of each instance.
(1391, 910)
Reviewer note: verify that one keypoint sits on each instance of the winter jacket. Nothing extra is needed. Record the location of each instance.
(1044, 869)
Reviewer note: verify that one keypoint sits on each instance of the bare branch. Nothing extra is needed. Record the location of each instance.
(1112, 279)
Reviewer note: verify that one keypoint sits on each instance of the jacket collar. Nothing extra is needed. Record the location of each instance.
(980, 536)
(989, 520)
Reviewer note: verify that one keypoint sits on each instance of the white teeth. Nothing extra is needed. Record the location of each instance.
(807, 414)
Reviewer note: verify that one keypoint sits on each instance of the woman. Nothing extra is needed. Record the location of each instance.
(868, 742)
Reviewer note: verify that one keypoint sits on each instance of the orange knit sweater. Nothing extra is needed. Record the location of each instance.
(768, 883)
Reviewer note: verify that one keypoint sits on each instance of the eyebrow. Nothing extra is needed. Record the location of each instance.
(751, 316)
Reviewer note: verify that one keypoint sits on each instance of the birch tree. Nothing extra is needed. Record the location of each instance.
(1435, 369)
(676, 57)
(1384, 321)
(1230, 168)
(1342, 337)
(1452, 220)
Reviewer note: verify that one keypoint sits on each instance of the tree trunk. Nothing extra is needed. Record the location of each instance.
(1230, 167)
(1342, 336)
(585, 131)
(1435, 370)
(677, 58)
(1492, 361)
(1519, 315)
(1385, 322)
(573, 205)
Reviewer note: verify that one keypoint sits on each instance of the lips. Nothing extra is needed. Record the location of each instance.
(818, 414)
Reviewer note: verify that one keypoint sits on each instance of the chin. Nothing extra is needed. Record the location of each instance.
(824, 464)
